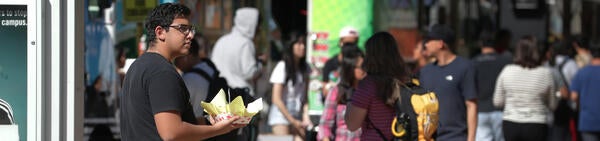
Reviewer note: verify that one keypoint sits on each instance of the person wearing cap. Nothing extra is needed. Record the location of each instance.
(488, 65)
(348, 35)
(452, 78)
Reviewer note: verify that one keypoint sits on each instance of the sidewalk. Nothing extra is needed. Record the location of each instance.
(270, 137)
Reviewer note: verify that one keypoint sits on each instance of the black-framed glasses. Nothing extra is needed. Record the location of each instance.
(185, 29)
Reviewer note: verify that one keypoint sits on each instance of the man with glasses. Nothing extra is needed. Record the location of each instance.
(155, 101)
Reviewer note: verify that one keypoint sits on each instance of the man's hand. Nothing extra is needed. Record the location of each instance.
(226, 126)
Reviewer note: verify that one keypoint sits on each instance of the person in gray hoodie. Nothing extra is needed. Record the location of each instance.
(234, 53)
(234, 56)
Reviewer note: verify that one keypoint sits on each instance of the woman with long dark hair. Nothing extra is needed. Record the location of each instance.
(290, 83)
(332, 125)
(371, 107)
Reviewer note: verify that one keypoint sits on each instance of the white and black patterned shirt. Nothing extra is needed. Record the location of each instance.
(525, 93)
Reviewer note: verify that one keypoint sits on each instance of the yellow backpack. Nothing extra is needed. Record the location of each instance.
(425, 106)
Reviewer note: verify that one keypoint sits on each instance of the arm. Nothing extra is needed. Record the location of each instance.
(324, 89)
(328, 116)
(276, 99)
(354, 116)
(471, 118)
(305, 117)
(470, 95)
(305, 121)
(250, 66)
(171, 128)
(357, 108)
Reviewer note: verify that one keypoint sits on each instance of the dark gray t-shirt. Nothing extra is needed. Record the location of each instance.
(487, 69)
(152, 85)
(453, 84)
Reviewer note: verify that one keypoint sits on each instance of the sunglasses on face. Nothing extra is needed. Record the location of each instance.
(185, 29)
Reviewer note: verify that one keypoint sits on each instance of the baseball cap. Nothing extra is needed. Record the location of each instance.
(440, 32)
(348, 32)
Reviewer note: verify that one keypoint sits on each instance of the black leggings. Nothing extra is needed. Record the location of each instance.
(524, 131)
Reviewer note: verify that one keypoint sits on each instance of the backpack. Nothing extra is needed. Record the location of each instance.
(217, 83)
(417, 115)
(425, 105)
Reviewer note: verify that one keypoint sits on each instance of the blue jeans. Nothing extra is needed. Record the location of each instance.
(489, 126)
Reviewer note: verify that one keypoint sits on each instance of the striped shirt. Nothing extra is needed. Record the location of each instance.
(378, 113)
(524, 93)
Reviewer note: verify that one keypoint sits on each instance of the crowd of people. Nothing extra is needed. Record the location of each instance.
(532, 91)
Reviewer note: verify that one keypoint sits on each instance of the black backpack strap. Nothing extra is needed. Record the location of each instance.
(562, 76)
(563, 112)
(210, 64)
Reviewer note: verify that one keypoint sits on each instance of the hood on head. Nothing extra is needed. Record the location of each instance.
(245, 21)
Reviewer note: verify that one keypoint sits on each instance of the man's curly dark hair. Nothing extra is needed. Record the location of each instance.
(163, 15)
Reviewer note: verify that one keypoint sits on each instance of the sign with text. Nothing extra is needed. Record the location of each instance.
(13, 72)
(137, 10)
(326, 19)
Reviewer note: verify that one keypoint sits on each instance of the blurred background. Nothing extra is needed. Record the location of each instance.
(114, 35)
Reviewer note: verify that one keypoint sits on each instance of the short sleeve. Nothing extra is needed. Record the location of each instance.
(570, 69)
(166, 91)
(576, 82)
(364, 94)
(278, 74)
(468, 83)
